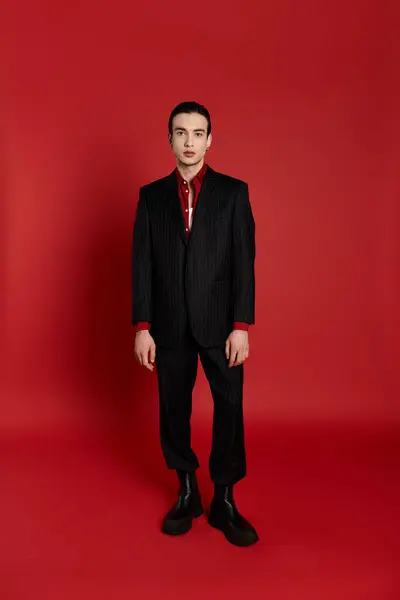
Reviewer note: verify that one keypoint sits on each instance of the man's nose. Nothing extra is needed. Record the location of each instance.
(189, 141)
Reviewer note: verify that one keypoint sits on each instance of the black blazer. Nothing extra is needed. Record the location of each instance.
(205, 280)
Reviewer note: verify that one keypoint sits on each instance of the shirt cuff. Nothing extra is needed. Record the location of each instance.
(241, 326)
(142, 326)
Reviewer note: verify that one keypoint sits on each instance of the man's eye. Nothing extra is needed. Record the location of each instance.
(199, 134)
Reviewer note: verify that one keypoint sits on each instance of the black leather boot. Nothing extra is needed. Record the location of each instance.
(179, 519)
(225, 516)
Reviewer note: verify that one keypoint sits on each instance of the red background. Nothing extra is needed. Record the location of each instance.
(304, 98)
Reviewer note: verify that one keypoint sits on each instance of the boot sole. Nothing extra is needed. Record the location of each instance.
(243, 539)
(178, 527)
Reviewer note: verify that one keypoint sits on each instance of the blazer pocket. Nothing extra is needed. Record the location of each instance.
(217, 217)
(220, 286)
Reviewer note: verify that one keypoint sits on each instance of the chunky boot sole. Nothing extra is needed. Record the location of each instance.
(235, 536)
(180, 526)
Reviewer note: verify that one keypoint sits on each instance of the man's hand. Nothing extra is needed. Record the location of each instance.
(237, 347)
(145, 345)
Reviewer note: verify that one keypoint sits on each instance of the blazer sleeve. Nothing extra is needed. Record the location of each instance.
(244, 258)
(141, 264)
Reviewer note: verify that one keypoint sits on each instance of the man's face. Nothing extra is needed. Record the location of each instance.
(189, 140)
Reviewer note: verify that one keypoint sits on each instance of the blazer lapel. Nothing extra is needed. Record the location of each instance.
(205, 200)
(174, 206)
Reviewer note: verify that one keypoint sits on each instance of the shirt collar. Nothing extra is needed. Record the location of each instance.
(200, 175)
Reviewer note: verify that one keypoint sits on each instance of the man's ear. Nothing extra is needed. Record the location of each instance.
(170, 139)
(209, 140)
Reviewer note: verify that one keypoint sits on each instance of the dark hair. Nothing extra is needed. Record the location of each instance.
(190, 107)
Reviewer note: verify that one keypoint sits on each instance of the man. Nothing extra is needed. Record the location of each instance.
(193, 295)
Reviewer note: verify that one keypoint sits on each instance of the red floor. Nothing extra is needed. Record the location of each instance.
(80, 521)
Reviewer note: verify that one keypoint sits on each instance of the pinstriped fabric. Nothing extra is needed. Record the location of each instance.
(205, 280)
(142, 264)
(176, 371)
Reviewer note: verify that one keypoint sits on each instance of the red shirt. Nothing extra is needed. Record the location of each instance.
(183, 188)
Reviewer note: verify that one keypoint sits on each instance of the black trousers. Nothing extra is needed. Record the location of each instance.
(176, 372)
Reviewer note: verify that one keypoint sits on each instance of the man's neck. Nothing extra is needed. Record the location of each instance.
(188, 172)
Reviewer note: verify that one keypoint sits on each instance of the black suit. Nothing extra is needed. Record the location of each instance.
(191, 290)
